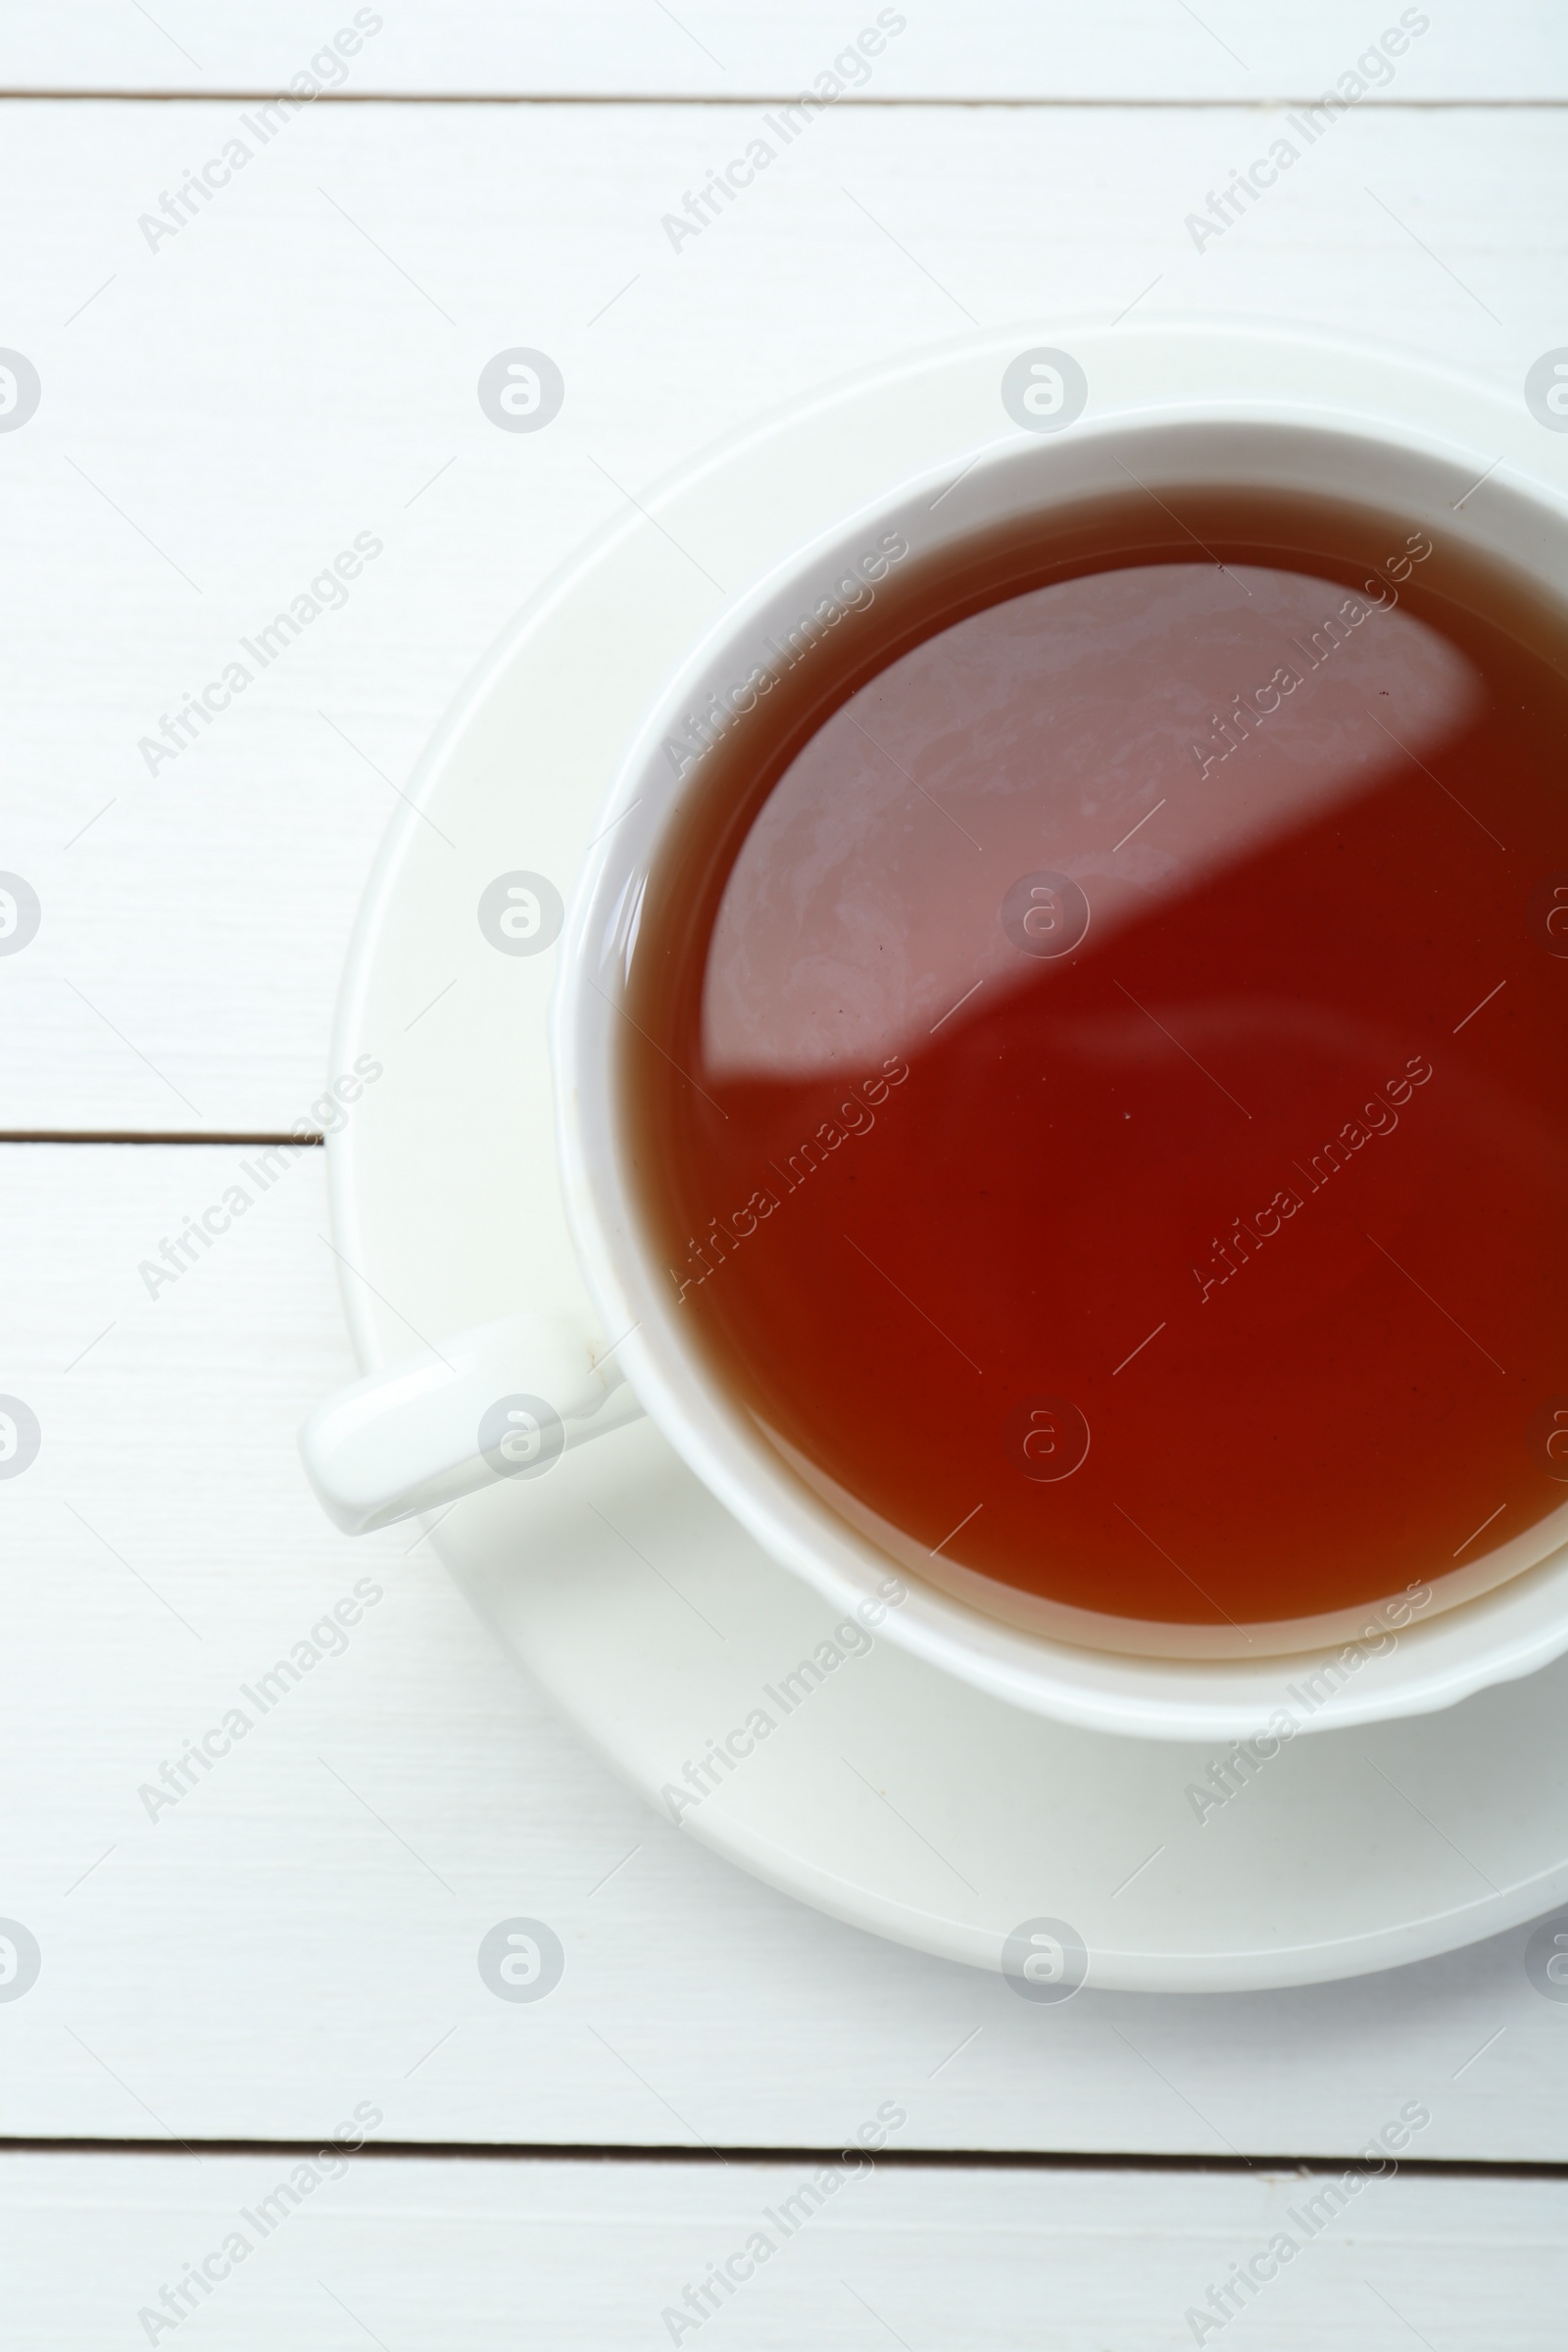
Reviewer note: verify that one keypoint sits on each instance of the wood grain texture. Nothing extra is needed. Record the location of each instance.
(299, 1929)
(417, 2256)
(225, 413)
(223, 410)
(1248, 50)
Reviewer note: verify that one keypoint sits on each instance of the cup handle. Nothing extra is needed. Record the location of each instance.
(504, 1401)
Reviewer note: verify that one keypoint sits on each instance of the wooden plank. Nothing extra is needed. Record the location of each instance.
(297, 1928)
(1245, 49)
(227, 411)
(420, 2254)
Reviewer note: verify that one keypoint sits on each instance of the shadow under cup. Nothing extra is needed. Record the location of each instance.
(1093, 1082)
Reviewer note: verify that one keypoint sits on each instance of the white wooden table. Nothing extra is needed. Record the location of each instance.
(227, 1978)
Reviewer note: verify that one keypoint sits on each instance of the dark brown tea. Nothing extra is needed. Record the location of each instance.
(1097, 1051)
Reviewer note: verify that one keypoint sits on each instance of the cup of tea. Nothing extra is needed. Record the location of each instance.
(1058, 1046)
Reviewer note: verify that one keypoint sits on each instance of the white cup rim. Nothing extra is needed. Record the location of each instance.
(1401, 1662)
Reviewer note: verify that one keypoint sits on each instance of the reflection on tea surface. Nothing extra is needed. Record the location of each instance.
(1128, 1139)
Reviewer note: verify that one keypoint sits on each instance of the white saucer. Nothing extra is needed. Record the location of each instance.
(888, 1795)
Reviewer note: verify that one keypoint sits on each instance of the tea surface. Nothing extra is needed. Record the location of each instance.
(1098, 1080)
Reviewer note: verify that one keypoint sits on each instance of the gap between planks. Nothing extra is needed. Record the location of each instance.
(105, 1134)
(893, 2160)
(754, 98)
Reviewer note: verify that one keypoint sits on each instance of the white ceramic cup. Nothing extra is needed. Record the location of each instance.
(505, 1401)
